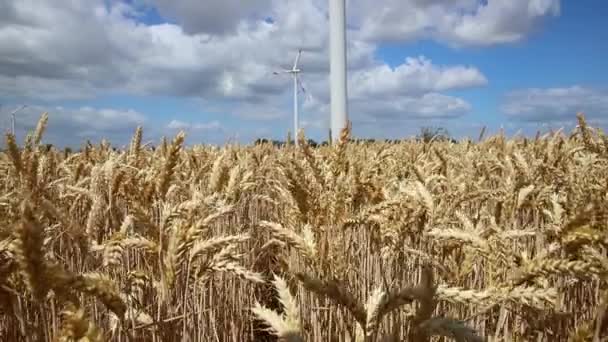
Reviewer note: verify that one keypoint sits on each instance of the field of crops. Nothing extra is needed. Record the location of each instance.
(495, 239)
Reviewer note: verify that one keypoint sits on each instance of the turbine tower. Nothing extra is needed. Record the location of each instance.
(13, 118)
(294, 71)
(337, 42)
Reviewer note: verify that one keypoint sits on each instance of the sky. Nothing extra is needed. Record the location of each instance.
(100, 68)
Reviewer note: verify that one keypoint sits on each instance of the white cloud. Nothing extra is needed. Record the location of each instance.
(213, 125)
(48, 89)
(556, 104)
(199, 126)
(317, 124)
(222, 53)
(416, 76)
(407, 92)
(115, 53)
(430, 105)
(219, 17)
(459, 22)
(72, 126)
(176, 124)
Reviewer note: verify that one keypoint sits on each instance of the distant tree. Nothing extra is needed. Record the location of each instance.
(260, 141)
(365, 141)
(67, 152)
(277, 143)
(289, 140)
(433, 133)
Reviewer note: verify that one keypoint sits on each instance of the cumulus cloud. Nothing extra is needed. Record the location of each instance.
(430, 105)
(28, 88)
(416, 76)
(114, 52)
(72, 126)
(555, 104)
(222, 53)
(408, 91)
(459, 22)
(198, 126)
(219, 17)
(231, 72)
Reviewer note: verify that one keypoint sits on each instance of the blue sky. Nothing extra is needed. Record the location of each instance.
(102, 67)
(567, 50)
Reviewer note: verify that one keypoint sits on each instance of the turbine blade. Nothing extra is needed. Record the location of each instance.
(295, 64)
(301, 85)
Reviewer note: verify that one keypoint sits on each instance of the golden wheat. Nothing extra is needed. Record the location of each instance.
(500, 239)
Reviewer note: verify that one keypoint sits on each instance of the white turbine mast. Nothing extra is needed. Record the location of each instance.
(337, 42)
(297, 85)
(13, 118)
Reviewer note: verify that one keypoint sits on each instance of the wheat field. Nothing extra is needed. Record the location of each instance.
(489, 240)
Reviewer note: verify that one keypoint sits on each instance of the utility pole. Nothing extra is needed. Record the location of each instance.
(337, 41)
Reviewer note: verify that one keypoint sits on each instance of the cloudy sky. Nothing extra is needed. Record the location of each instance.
(102, 67)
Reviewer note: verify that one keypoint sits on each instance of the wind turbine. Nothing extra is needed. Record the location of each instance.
(294, 71)
(337, 42)
(13, 117)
